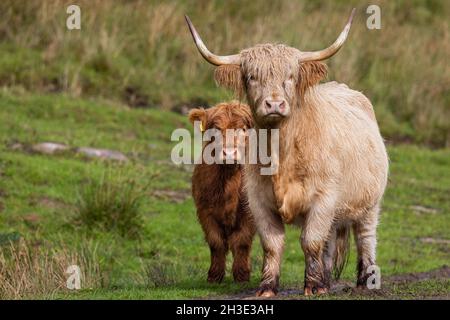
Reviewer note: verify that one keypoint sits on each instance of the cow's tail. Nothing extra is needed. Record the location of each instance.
(342, 250)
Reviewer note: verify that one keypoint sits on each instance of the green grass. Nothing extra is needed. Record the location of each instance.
(112, 204)
(170, 258)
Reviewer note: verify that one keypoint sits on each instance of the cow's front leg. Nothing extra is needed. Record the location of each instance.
(271, 232)
(315, 234)
(269, 226)
(328, 256)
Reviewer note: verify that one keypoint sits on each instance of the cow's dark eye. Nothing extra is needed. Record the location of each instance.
(251, 78)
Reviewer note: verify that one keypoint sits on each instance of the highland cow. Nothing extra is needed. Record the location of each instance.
(222, 207)
(333, 164)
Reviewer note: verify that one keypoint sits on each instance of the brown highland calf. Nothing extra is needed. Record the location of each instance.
(217, 189)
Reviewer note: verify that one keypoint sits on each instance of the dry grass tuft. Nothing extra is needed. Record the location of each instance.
(28, 270)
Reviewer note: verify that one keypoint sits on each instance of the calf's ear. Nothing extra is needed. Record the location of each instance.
(230, 76)
(198, 114)
(311, 73)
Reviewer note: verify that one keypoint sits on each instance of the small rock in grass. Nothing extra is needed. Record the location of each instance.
(422, 209)
(49, 147)
(16, 146)
(435, 241)
(102, 154)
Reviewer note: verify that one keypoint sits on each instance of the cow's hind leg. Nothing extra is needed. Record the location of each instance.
(328, 256)
(366, 242)
(316, 232)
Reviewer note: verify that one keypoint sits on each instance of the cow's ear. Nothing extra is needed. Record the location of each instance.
(310, 74)
(198, 114)
(230, 77)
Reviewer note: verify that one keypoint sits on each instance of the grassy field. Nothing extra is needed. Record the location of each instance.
(131, 226)
(167, 257)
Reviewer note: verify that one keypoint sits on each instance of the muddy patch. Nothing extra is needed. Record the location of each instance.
(173, 196)
(136, 98)
(3, 193)
(48, 202)
(393, 287)
(441, 273)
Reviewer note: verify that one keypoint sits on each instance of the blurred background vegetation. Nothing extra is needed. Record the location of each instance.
(140, 53)
(131, 225)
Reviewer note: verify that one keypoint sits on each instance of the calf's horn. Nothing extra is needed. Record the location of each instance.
(331, 50)
(208, 55)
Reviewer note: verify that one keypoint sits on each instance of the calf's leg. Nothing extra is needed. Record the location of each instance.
(240, 245)
(218, 247)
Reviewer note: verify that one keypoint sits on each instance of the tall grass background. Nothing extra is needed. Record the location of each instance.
(141, 53)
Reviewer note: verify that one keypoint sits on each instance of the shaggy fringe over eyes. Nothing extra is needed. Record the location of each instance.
(233, 110)
(230, 77)
(310, 74)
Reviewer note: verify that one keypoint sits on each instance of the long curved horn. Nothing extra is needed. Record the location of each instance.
(331, 50)
(210, 57)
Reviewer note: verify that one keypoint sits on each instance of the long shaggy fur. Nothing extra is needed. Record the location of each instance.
(230, 77)
(311, 73)
(221, 203)
(342, 250)
(271, 67)
(332, 168)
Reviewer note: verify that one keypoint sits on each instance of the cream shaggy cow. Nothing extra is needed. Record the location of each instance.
(333, 164)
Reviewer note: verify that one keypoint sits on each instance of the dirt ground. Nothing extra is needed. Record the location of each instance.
(433, 284)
